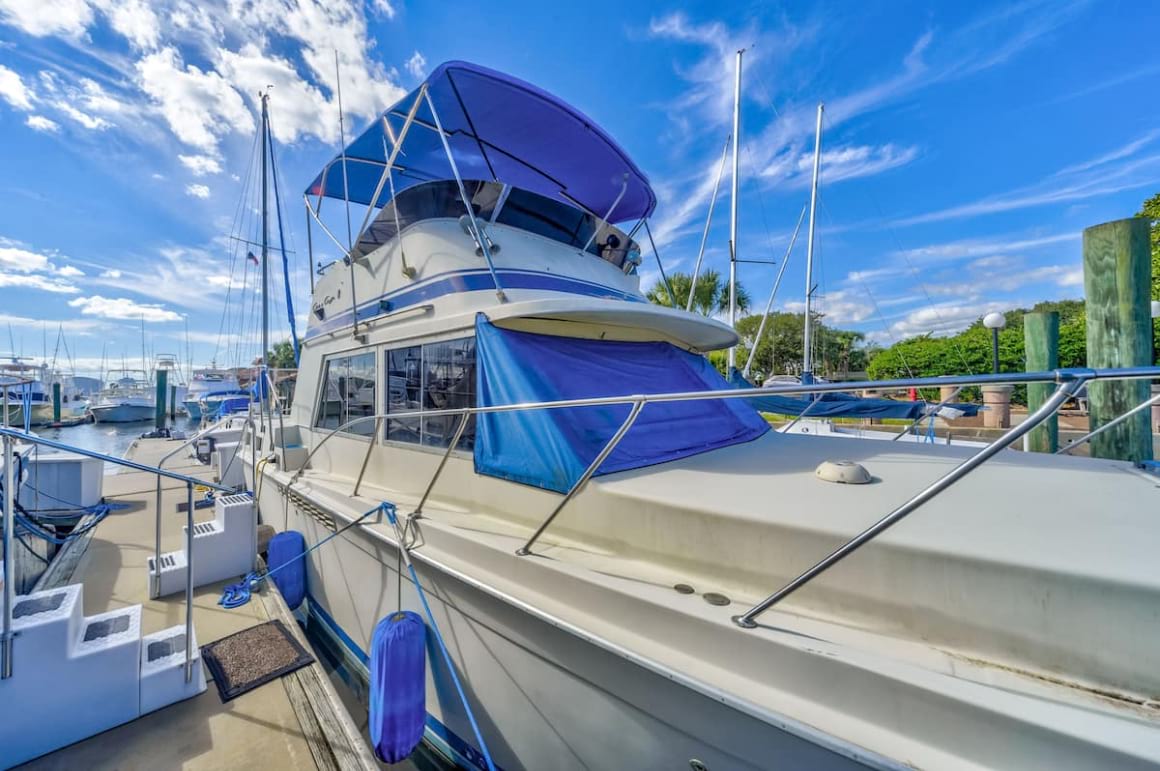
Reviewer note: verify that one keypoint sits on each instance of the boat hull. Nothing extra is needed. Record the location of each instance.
(545, 697)
(122, 413)
(192, 408)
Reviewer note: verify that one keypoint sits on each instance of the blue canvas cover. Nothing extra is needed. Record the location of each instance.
(839, 405)
(550, 448)
(499, 128)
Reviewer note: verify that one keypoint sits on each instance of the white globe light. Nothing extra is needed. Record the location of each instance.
(994, 320)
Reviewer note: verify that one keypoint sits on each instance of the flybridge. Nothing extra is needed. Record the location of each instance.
(496, 128)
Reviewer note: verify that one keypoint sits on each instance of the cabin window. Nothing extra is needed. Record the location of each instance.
(348, 393)
(434, 376)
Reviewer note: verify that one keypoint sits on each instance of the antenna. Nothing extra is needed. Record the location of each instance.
(345, 190)
(733, 211)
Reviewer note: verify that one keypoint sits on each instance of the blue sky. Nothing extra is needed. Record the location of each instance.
(966, 145)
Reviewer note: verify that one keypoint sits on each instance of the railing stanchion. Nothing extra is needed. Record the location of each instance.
(638, 403)
(156, 593)
(1110, 424)
(443, 462)
(9, 562)
(189, 582)
(374, 437)
(1067, 389)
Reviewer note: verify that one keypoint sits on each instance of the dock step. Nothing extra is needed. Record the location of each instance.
(163, 669)
(223, 548)
(75, 676)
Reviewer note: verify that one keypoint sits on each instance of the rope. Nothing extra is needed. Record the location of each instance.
(237, 595)
(404, 549)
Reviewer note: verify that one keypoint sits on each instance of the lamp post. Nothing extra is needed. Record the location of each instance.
(1155, 342)
(995, 321)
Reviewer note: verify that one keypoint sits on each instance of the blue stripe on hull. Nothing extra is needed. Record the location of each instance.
(437, 734)
(469, 281)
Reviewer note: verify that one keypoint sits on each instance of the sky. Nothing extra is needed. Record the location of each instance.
(965, 146)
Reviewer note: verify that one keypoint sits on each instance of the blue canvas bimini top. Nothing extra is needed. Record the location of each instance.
(551, 448)
(499, 128)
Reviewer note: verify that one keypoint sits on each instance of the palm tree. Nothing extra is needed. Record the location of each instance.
(710, 296)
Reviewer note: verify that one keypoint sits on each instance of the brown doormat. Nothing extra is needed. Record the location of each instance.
(253, 657)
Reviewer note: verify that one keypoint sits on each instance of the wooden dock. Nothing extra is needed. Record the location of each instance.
(297, 722)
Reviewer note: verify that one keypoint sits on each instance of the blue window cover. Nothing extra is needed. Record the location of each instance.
(550, 448)
(838, 405)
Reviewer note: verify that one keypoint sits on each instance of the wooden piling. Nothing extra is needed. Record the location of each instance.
(55, 403)
(173, 402)
(1117, 274)
(162, 379)
(1041, 343)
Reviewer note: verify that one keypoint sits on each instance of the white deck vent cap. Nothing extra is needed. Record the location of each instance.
(845, 472)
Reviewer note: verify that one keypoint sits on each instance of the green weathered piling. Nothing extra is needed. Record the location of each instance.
(172, 402)
(1117, 272)
(56, 402)
(162, 391)
(1041, 343)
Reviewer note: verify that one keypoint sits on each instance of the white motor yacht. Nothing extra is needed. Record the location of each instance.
(626, 564)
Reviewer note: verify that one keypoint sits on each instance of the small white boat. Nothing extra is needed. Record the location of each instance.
(128, 398)
(206, 381)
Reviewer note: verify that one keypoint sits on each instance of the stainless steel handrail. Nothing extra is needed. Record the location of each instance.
(1061, 376)
(156, 588)
(9, 434)
(1066, 390)
(1048, 376)
(1110, 424)
(928, 412)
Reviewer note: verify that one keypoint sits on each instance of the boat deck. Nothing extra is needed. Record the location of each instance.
(264, 727)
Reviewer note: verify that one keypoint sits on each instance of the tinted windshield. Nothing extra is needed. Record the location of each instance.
(521, 209)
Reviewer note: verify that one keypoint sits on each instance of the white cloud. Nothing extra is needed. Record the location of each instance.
(122, 308)
(198, 106)
(197, 191)
(22, 260)
(417, 65)
(69, 271)
(200, 165)
(13, 90)
(92, 123)
(1119, 169)
(35, 281)
(67, 18)
(134, 20)
(72, 326)
(384, 7)
(795, 166)
(41, 123)
(111, 274)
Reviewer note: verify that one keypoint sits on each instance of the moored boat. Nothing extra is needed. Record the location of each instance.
(602, 566)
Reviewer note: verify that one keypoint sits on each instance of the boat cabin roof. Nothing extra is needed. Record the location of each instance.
(498, 128)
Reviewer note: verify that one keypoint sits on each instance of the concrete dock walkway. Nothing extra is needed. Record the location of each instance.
(260, 729)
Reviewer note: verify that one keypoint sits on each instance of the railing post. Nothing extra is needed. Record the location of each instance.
(9, 563)
(366, 457)
(1066, 390)
(157, 542)
(189, 582)
(454, 443)
(637, 405)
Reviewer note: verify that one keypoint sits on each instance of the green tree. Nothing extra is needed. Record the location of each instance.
(282, 357)
(1151, 209)
(711, 295)
(969, 352)
(838, 352)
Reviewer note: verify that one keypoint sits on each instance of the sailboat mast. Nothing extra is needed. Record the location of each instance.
(733, 209)
(265, 242)
(807, 354)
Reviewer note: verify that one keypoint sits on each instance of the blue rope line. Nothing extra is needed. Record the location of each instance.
(442, 646)
(237, 595)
